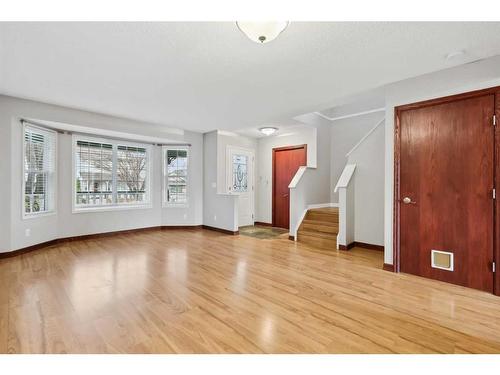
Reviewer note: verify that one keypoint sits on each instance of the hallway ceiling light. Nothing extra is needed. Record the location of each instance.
(268, 130)
(262, 32)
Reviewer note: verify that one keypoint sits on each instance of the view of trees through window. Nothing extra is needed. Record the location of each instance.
(131, 174)
(39, 167)
(110, 174)
(176, 179)
(106, 173)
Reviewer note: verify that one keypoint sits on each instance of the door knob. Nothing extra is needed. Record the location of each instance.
(285, 195)
(407, 200)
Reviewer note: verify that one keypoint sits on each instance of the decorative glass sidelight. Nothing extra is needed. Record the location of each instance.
(240, 173)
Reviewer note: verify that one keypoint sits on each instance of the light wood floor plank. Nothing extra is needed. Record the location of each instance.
(198, 291)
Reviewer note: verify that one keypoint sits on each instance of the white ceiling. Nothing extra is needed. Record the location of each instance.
(206, 76)
(282, 126)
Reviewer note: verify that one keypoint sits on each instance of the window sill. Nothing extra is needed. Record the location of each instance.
(81, 210)
(38, 215)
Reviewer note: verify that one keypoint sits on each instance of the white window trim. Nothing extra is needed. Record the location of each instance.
(53, 211)
(115, 207)
(165, 203)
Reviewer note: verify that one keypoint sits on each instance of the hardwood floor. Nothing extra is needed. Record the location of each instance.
(198, 291)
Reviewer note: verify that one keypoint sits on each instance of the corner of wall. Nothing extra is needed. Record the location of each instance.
(5, 169)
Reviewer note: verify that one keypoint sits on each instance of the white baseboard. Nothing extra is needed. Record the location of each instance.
(322, 205)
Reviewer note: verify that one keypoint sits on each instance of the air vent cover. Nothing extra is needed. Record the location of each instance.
(442, 260)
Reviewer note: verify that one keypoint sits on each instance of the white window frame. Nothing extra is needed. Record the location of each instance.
(53, 211)
(165, 203)
(115, 143)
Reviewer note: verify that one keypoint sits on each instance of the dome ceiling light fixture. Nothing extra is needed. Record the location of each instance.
(262, 32)
(268, 130)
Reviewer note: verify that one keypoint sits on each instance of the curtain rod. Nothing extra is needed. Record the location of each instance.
(60, 131)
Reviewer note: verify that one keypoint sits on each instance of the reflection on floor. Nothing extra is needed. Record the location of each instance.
(200, 291)
(262, 232)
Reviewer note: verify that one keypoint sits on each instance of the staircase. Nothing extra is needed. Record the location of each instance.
(320, 228)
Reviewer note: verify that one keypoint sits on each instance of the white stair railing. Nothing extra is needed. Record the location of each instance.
(365, 137)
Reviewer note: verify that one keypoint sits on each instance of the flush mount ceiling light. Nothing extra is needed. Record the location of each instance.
(262, 32)
(268, 130)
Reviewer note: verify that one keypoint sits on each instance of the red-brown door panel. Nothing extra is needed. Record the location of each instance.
(286, 162)
(447, 170)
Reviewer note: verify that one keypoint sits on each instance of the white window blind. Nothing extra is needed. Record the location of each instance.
(175, 170)
(39, 170)
(94, 173)
(110, 173)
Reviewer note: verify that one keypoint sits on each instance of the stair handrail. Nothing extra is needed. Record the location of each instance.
(365, 137)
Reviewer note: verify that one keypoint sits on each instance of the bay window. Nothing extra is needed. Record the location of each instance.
(110, 174)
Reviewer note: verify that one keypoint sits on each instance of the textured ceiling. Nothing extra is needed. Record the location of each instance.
(205, 76)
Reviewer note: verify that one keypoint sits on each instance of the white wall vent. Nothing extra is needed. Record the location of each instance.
(442, 260)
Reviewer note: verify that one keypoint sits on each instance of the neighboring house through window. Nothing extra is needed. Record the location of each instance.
(110, 173)
(175, 171)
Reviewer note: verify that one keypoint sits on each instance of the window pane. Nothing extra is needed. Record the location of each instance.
(110, 174)
(39, 170)
(93, 171)
(176, 175)
(131, 175)
(240, 184)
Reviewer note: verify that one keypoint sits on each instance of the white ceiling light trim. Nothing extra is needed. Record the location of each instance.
(262, 32)
(268, 130)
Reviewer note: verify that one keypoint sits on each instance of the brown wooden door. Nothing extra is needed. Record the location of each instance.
(286, 162)
(447, 171)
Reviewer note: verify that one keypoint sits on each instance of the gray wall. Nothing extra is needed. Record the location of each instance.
(65, 223)
(219, 210)
(323, 164)
(5, 145)
(369, 188)
(344, 135)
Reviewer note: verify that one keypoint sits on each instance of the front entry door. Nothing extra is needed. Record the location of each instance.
(240, 182)
(286, 162)
(445, 200)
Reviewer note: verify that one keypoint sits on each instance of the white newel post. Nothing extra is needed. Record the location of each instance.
(345, 188)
